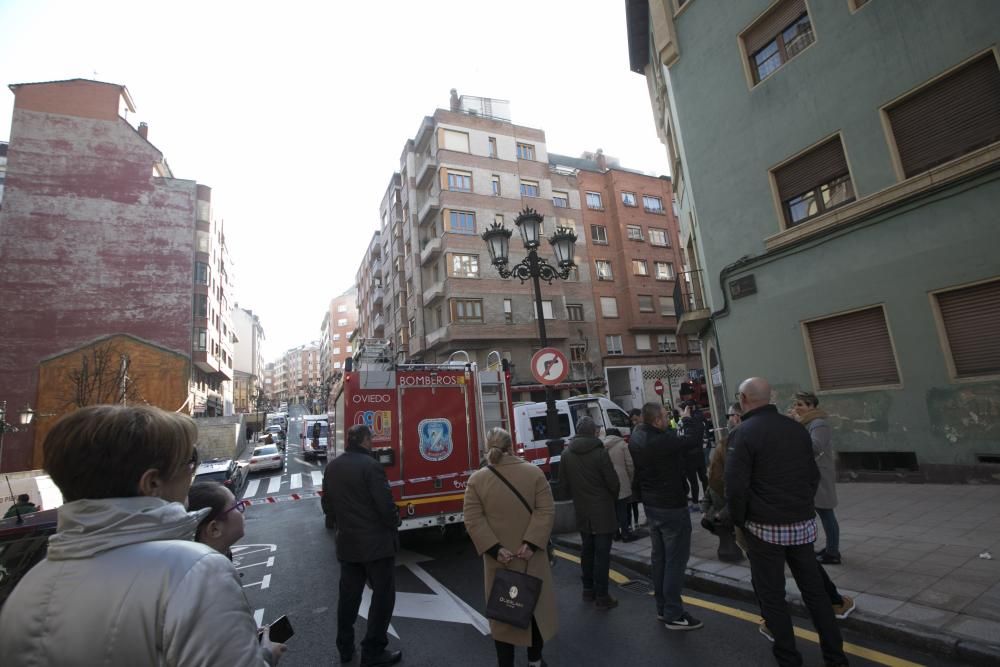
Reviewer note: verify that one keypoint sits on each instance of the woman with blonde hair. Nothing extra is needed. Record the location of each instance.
(504, 531)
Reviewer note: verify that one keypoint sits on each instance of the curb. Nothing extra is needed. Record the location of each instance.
(922, 637)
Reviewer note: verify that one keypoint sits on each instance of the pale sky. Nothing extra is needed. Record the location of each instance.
(295, 113)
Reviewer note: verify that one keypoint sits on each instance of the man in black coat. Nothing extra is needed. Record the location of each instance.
(359, 506)
(659, 457)
(590, 478)
(771, 479)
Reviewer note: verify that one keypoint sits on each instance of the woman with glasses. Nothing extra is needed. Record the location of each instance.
(123, 583)
(222, 526)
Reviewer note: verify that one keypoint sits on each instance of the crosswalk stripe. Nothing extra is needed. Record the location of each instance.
(296, 481)
(274, 483)
(317, 478)
(251, 488)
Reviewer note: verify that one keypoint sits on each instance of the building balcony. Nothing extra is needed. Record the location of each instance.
(209, 363)
(434, 292)
(431, 207)
(693, 312)
(429, 250)
(426, 167)
(377, 296)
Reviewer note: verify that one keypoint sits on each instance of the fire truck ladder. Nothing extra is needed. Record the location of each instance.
(492, 397)
(375, 363)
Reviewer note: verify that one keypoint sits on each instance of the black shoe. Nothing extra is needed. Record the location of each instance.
(588, 594)
(346, 657)
(685, 622)
(383, 659)
(827, 559)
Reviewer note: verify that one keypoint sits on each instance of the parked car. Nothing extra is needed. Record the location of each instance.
(266, 457)
(229, 472)
(22, 545)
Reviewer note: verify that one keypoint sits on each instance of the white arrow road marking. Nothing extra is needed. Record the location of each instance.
(269, 563)
(263, 583)
(296, 481)
(274, 484)
(258, 617)
(317, 478)
(441, 605)
(251, 488)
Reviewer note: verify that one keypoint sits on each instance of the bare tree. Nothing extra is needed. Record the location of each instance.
(102, 377)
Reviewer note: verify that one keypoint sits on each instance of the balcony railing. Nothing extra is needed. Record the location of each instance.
(689, 300)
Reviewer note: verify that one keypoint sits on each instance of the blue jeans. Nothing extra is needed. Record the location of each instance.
(595, 561)
(670, 534)
(832, 530)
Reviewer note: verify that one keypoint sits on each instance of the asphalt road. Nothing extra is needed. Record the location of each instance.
(289, 566)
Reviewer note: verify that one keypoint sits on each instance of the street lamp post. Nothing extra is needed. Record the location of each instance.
(563, 242)
(24, 417)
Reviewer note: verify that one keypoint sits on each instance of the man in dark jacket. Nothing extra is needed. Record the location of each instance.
(659, 458)
(771, 479)
(589, 477)
(359, 506)
(21, 507)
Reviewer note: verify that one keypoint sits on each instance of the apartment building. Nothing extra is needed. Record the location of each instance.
(3, 168)
(105, 255)
(248, 356)
(839, 218)
(631, 231)
(270, 393)
(298, 375)
(340, 320)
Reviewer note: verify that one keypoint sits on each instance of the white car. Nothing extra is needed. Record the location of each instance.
(267, 457)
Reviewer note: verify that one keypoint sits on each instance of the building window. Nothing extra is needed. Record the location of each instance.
(603, 269)
(640, 267)
(814, 183)
(628, 198)
(546, 311)
(460, 181)
(599, 234)
(463, 222)
(342, 308)
(852, 351)
(609, 306)
(342, 322)
(577, 352)
(642, 343)
(560, 199)
(496, 185)
(645, 303)
(574, 312)
(464, 266)
(777, 37)
(336, 350)
(529, 188)
(201, 340)
(508, 311)
(453, 140)
(466, 310)
(970, 329)
(200, 273)
(948, 118)
(664, 270)
(658, 237)
(634, 232)
(493, 146)
(594, 201)
(201, 305)
(652, 204)
(525, 151)
(614, 344)
(666, 342)
(335, 336)
(667, 306)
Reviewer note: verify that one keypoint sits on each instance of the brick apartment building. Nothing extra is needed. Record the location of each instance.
(630, 228)
(467, 167)
(339, 323)
(297, 375)
(104, 252)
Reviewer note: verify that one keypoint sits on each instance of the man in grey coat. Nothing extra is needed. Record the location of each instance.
(589, 477)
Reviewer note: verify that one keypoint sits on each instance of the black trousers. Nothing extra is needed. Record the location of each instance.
(380, 575)
(505, 651)
(692, 474)
(767, 567)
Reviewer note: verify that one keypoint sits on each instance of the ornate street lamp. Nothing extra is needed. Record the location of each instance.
(563, 242)
(24, 417)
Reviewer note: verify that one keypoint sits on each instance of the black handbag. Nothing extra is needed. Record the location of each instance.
(549, 548)
(513, 597)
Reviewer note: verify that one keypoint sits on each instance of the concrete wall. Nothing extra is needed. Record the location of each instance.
(221, 437)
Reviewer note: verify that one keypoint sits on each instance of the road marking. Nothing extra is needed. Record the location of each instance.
(258, 617)
(317, 478)
(860, 651)
(251, 488)
(296, 481)
(273, 484)
(269, 563)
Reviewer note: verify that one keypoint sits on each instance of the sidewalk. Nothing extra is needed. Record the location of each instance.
(911, 559)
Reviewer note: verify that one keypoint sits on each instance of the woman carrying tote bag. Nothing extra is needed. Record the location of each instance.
(507, 535)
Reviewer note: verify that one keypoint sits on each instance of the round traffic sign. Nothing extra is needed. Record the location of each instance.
(549, 366)
(658, 387)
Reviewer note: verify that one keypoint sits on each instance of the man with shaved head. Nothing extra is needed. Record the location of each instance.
(771, 480)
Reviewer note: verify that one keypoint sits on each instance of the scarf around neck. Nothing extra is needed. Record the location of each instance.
(811, 414)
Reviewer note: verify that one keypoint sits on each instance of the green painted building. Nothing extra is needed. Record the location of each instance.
(837, 170)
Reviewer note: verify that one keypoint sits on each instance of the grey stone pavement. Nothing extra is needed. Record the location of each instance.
(914, 558)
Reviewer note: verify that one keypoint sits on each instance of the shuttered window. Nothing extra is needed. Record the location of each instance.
(777, 37)
(971, 318)
(953, 116)
(814, 183)
(853, 350)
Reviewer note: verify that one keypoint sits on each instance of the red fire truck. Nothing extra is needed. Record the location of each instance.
(428, 423)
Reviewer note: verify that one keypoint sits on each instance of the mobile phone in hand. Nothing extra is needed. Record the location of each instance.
(281, 630)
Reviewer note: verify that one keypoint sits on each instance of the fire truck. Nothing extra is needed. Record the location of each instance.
(429, 424)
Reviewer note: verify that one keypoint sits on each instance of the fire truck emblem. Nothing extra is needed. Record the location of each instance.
(435, 439)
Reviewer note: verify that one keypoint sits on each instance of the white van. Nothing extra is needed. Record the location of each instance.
(530, 422)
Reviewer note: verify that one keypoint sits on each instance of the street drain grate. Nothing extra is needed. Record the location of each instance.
(637, 586)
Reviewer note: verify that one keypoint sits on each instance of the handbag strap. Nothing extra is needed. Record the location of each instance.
(511, 487)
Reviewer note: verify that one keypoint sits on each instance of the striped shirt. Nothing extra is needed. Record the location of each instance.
(785, 534)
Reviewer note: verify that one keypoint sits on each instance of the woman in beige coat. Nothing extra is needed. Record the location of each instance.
(507, 535)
